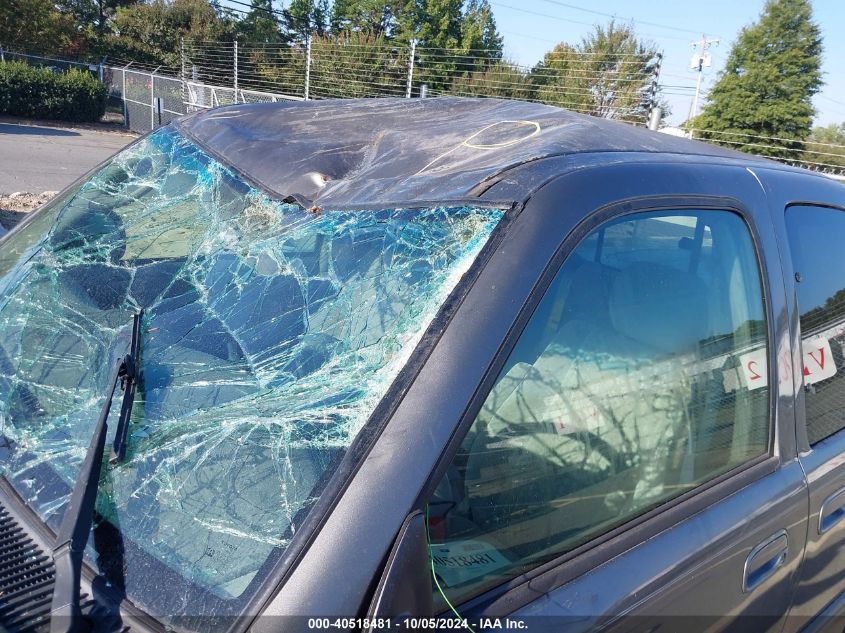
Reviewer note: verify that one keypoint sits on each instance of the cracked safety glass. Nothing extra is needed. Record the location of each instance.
(270, 334)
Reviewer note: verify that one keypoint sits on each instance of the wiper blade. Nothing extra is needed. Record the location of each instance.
(129, 379)
(66, 613)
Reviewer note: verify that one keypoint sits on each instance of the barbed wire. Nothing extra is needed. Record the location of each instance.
(562, 19)
(341, 71)
(781, 148)
(760, 136)
(614, 16)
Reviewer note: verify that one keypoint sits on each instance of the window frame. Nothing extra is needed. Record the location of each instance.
(802, 430)
(515, 593)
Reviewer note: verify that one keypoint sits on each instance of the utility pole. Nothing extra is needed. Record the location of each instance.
(700, 61)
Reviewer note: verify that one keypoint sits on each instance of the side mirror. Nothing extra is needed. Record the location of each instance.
(404, 589)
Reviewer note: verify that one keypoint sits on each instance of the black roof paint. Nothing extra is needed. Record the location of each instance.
(365, 152)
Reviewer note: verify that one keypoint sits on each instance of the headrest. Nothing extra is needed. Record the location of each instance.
(659, 306)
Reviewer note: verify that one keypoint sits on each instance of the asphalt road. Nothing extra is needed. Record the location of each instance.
(37, 158)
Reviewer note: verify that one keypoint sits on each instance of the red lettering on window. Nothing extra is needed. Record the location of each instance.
(820, 363)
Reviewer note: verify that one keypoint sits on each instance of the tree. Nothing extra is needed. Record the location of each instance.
(607, 75)
(154, 32)
(34, 26)
(481, 43)
(307, 17)
(826, 146)
(439, 23)
(479, 32)
(96, 13)
(833, 133)
(764, 93)
(503, 80)
(388, 18)
(261, 24)
(357, 65)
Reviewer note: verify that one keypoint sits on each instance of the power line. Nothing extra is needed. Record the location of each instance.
(613, 16)
(826, 98)
(539, 14)
(530, 37)
(557, 17)
(768, 138)
(253, 8)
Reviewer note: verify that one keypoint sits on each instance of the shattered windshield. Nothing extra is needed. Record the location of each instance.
(270, 334)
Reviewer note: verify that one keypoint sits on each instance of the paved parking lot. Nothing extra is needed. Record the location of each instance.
(39, 158)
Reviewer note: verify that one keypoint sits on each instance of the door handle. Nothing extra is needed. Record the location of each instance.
(764, 560)
(833, 510)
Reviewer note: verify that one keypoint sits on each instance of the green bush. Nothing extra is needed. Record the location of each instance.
(43, 94)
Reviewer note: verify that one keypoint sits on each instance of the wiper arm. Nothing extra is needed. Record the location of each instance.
(66, 613)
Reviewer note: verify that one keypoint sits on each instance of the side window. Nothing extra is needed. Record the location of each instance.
(641, 375)
(816, 236)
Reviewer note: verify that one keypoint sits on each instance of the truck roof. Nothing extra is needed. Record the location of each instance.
(369, 152)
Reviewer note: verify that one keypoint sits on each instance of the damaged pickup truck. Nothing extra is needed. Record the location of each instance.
(423, 364)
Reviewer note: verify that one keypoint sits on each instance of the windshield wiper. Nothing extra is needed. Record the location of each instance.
(66, 613)
(128, 380)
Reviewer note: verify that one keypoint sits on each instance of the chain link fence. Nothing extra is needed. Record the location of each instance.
(148, 99)
(216, 74)
(621, 86)
(56, 65)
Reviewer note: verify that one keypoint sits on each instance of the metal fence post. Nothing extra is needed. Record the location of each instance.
(307, 66)
(152, 101)
(199, 91)
(184, 87)
(123, 98)
(410, 81)
(236, 71)
(2, 56)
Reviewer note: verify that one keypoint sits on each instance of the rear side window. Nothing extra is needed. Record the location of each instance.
(816, 236)
(641, 375)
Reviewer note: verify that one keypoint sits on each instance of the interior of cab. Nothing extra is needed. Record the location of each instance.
(623, 391)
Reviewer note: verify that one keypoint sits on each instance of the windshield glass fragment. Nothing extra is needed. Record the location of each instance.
(270, 335)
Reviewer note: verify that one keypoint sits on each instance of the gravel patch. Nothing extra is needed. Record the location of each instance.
(15, 206)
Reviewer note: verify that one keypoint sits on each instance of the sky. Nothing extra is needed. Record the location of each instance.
(532, 27)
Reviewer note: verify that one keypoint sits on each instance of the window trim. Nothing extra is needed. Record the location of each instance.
(515, 593)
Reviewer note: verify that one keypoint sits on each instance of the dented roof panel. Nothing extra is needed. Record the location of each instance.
(340, 153)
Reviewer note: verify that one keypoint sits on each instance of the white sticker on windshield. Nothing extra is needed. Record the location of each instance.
(461, 561)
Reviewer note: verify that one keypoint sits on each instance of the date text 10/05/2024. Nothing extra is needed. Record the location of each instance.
(435, 624)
